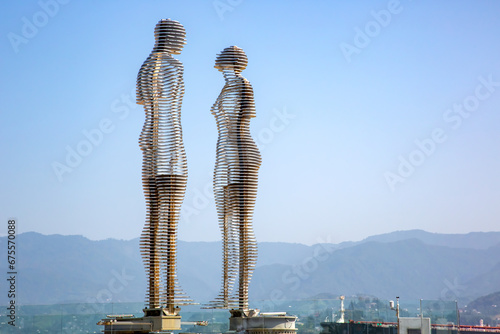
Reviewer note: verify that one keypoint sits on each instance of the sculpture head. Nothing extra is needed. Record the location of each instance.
(231, 58)
(170, 36)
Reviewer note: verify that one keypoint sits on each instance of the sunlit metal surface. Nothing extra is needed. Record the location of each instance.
(235, 179)
(160, 89)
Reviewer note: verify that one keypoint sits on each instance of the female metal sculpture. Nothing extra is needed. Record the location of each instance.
(160, 88)
(235, 178)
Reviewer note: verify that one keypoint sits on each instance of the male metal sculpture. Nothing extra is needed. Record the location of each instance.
(235, 179)
(160, 88)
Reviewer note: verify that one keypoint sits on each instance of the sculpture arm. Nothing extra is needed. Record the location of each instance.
(221, 164)
(247, 102)
(173, 85)
(140, 84)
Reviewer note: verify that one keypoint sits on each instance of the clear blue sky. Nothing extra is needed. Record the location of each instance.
(372, 116)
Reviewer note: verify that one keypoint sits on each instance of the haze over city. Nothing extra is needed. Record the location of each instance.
(371, 116)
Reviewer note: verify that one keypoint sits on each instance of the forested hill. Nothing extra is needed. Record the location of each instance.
(410, 264)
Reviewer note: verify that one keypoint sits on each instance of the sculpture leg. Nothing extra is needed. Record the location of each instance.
(243, 202)
(149, 243)
(229, 270)
(226, 253)
(171, 189)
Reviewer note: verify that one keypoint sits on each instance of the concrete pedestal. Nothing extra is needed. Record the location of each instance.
(251, 321)
(157, 319)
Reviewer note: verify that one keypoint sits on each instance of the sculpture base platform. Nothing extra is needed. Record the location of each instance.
(250, 322)
(154, 320)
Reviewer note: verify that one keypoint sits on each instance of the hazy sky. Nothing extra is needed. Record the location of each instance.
(372, 116)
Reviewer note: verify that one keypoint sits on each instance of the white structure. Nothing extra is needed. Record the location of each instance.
(417, 325)
(342, 310)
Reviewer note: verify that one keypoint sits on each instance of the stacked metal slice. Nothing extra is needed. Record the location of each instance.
(160, 89)
(235, 179)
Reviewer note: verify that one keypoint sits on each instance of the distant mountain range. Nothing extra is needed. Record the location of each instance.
(410, 264)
